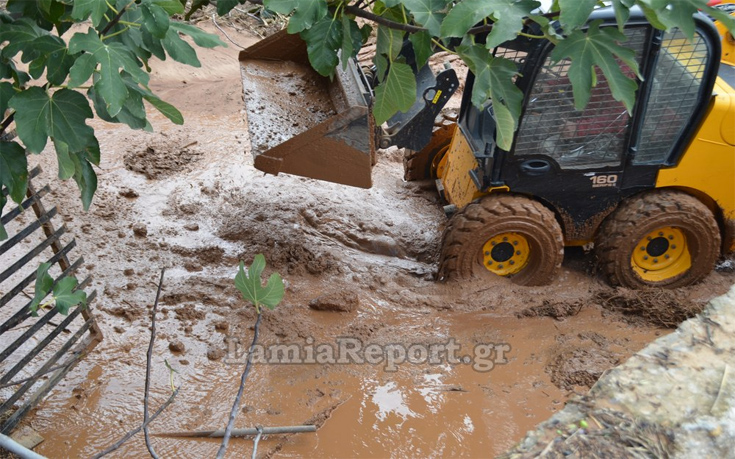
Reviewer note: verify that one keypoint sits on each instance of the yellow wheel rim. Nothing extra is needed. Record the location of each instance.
(505, 254)
(662, 254)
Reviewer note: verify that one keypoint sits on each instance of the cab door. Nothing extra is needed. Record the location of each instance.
(573, 160)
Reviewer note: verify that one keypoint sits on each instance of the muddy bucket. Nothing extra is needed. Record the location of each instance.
(302, 123)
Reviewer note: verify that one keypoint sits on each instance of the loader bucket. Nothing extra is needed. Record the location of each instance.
(303, 123)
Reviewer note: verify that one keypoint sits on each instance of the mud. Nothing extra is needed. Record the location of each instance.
(323, 238)
(659, 307)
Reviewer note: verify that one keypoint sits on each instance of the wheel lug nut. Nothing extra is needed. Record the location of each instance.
(649, 238)
(645, 257)
(511, 262)
(671, 238)
(489, 263)
(660, 233)
(666, 256)
(492, 243)
(655, 260)
(487, 254)
(500, 266)
(643, 248)
(673, 246)
(505, 239)
(518, 252)
(515, 242)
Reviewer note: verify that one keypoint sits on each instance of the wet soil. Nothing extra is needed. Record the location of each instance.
(203, 213)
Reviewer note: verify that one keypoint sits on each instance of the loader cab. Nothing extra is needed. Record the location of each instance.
(583, 163)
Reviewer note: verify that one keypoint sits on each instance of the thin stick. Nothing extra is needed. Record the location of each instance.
(132, 433)
(255, 442)
(149, 356)
(236, 405)
(225, 33)
(247, 432)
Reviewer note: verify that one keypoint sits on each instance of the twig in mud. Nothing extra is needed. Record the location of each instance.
(225, 33)
(236, 404)
(149, 356)
(256, 440)
(132, 433)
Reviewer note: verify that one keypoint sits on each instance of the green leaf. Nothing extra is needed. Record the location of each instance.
(306, 14)
(351, 39)
(59, 59)
(180, 50)
(44, 283)
(494, 80)
(153, 45)
(111, 58)
(66, 297)
(201, 38)
(280, 6)
(428, 13)
(598, 48)
(39, 115)
(66, 164)
(170, 6)
(508, 15)
(225, 6)
(86, 179)
(20, 35)
(678, 14)
(396, 93)
(82, 70)
(166, 109)
(322, 42)
(155, 20)
(422, 49)
(622, 11)
(13, 170)
(6, 92)
(389, 42)
(575, 13)
(86, 8)
(251, 288)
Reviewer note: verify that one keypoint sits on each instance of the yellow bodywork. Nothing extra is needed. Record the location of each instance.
(708, 165)
(454, 172)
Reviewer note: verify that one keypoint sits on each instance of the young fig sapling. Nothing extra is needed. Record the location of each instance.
(251, 286)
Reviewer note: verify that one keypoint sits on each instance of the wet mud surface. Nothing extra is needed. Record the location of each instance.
(367, 257)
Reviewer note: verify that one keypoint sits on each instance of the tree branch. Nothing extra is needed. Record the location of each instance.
(6, 122)
(236, 405)
(149, 356)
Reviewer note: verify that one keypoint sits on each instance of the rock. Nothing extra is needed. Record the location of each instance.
(140, 230)
(340, 301)
(118, 329)
(128, 193)
(215, 353)
(191, 227)
(129, 272)
(176, 346)
(222, 326)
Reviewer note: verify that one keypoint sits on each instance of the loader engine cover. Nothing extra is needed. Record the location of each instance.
(303, 123)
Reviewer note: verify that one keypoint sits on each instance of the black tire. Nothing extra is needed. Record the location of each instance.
(627, 228)
(468, 231)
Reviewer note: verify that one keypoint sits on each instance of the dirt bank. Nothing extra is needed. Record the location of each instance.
(188, 199)
(674, 398)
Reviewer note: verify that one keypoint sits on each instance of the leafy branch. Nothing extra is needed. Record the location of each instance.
(252, 290)
(472, 29)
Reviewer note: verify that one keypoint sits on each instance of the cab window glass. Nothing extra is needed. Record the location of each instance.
(592, 138)
(675, 91)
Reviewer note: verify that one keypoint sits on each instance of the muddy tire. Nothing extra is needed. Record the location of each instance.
(474, 241)
(663, 239)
